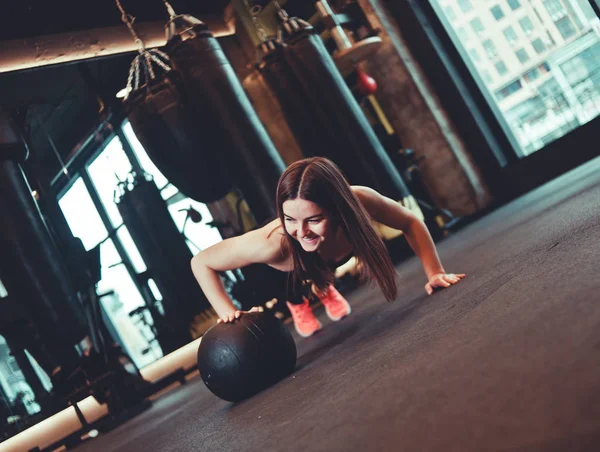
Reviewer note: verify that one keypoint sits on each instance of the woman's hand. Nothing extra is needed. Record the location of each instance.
(238, 314)
(442, 280)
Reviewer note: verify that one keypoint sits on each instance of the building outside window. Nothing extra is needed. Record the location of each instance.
(511, 35)
(450, 14)
(462, 34)
(526, 24)
(522, 55)
(497, 12)
(475, 55)
(555, 57)
(465, 5)
(565, 27)
(477, 26)
(509, 89)
(514, 4)
(501, 68)
(555, 8)
(487, 77)
(490, 49)
(538, 45)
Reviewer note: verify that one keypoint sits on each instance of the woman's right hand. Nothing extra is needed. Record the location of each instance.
(238, 314)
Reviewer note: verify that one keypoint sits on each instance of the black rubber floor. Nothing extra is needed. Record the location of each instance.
(508, 360)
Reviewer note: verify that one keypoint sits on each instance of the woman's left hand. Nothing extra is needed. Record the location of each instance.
(442, 280)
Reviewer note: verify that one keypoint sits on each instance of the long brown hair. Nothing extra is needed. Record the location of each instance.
(319, 180)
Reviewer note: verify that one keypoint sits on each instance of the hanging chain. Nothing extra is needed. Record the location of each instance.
(146, 58)
(254, 11)
(282, 13)
(170, 9)
(128, 20)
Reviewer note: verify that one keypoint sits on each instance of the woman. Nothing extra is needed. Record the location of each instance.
(323, 221)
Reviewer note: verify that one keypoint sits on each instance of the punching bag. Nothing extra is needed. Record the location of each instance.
(297, 109)
(213, 87)
(178, 138)
(167, 258)
(33, 267)
(349, 139)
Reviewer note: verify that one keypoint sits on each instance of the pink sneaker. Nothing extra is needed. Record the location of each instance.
(336, 306)
(305, 322)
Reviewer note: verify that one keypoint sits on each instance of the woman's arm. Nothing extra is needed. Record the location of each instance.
(258, 246)
(390, 213)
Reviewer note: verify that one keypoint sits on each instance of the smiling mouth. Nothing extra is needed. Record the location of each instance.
(309, 239)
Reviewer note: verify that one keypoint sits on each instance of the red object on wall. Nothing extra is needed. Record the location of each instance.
(366, 84)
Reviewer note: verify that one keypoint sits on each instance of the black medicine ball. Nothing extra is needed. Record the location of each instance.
(237, 360)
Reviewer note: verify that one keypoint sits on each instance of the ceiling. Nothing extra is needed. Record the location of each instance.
(63, 95)
(63, 103)
(31, 18)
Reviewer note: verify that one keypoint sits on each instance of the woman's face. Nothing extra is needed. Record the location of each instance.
(306, 222)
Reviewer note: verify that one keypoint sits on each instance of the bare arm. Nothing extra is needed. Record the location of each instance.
(388, 212)
(259, 246)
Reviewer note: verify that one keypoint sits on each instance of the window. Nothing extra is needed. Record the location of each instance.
(583, 67)
(522, 55)
(565, 27)
(501, 68)
(160, 180)
(490, 48)
(12, 365)
(465, 5)
(199, 235)
(81, 215)
(486, 76)
(514, 4)
(509, 89)
(477, 26)
(475, 55)
(538, 45)
(526, 111)
(526, 24)
(511, 35)
(462, 34)
(85, 222)
(532, 75)
(527, 36)
(497, 12)
(106, 171)
(555, 8)
(449, 12)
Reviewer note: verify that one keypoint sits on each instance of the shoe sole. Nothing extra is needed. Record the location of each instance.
(336, 319)
(304, 334)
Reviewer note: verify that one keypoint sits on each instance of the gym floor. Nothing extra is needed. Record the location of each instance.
(507, 360)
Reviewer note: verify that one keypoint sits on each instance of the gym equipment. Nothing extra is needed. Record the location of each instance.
(33, 270)
(239, 359)
(166, 256)
(213, 87)
(179, 139)
(365, 83)
(332, 124)
(348, 54)
(311, 136)
(182, 140)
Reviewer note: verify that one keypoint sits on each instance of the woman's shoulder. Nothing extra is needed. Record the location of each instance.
(269, 239)
(362, 192)
(369, 198)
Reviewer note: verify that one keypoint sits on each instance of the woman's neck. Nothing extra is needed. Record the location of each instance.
(336, 249)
